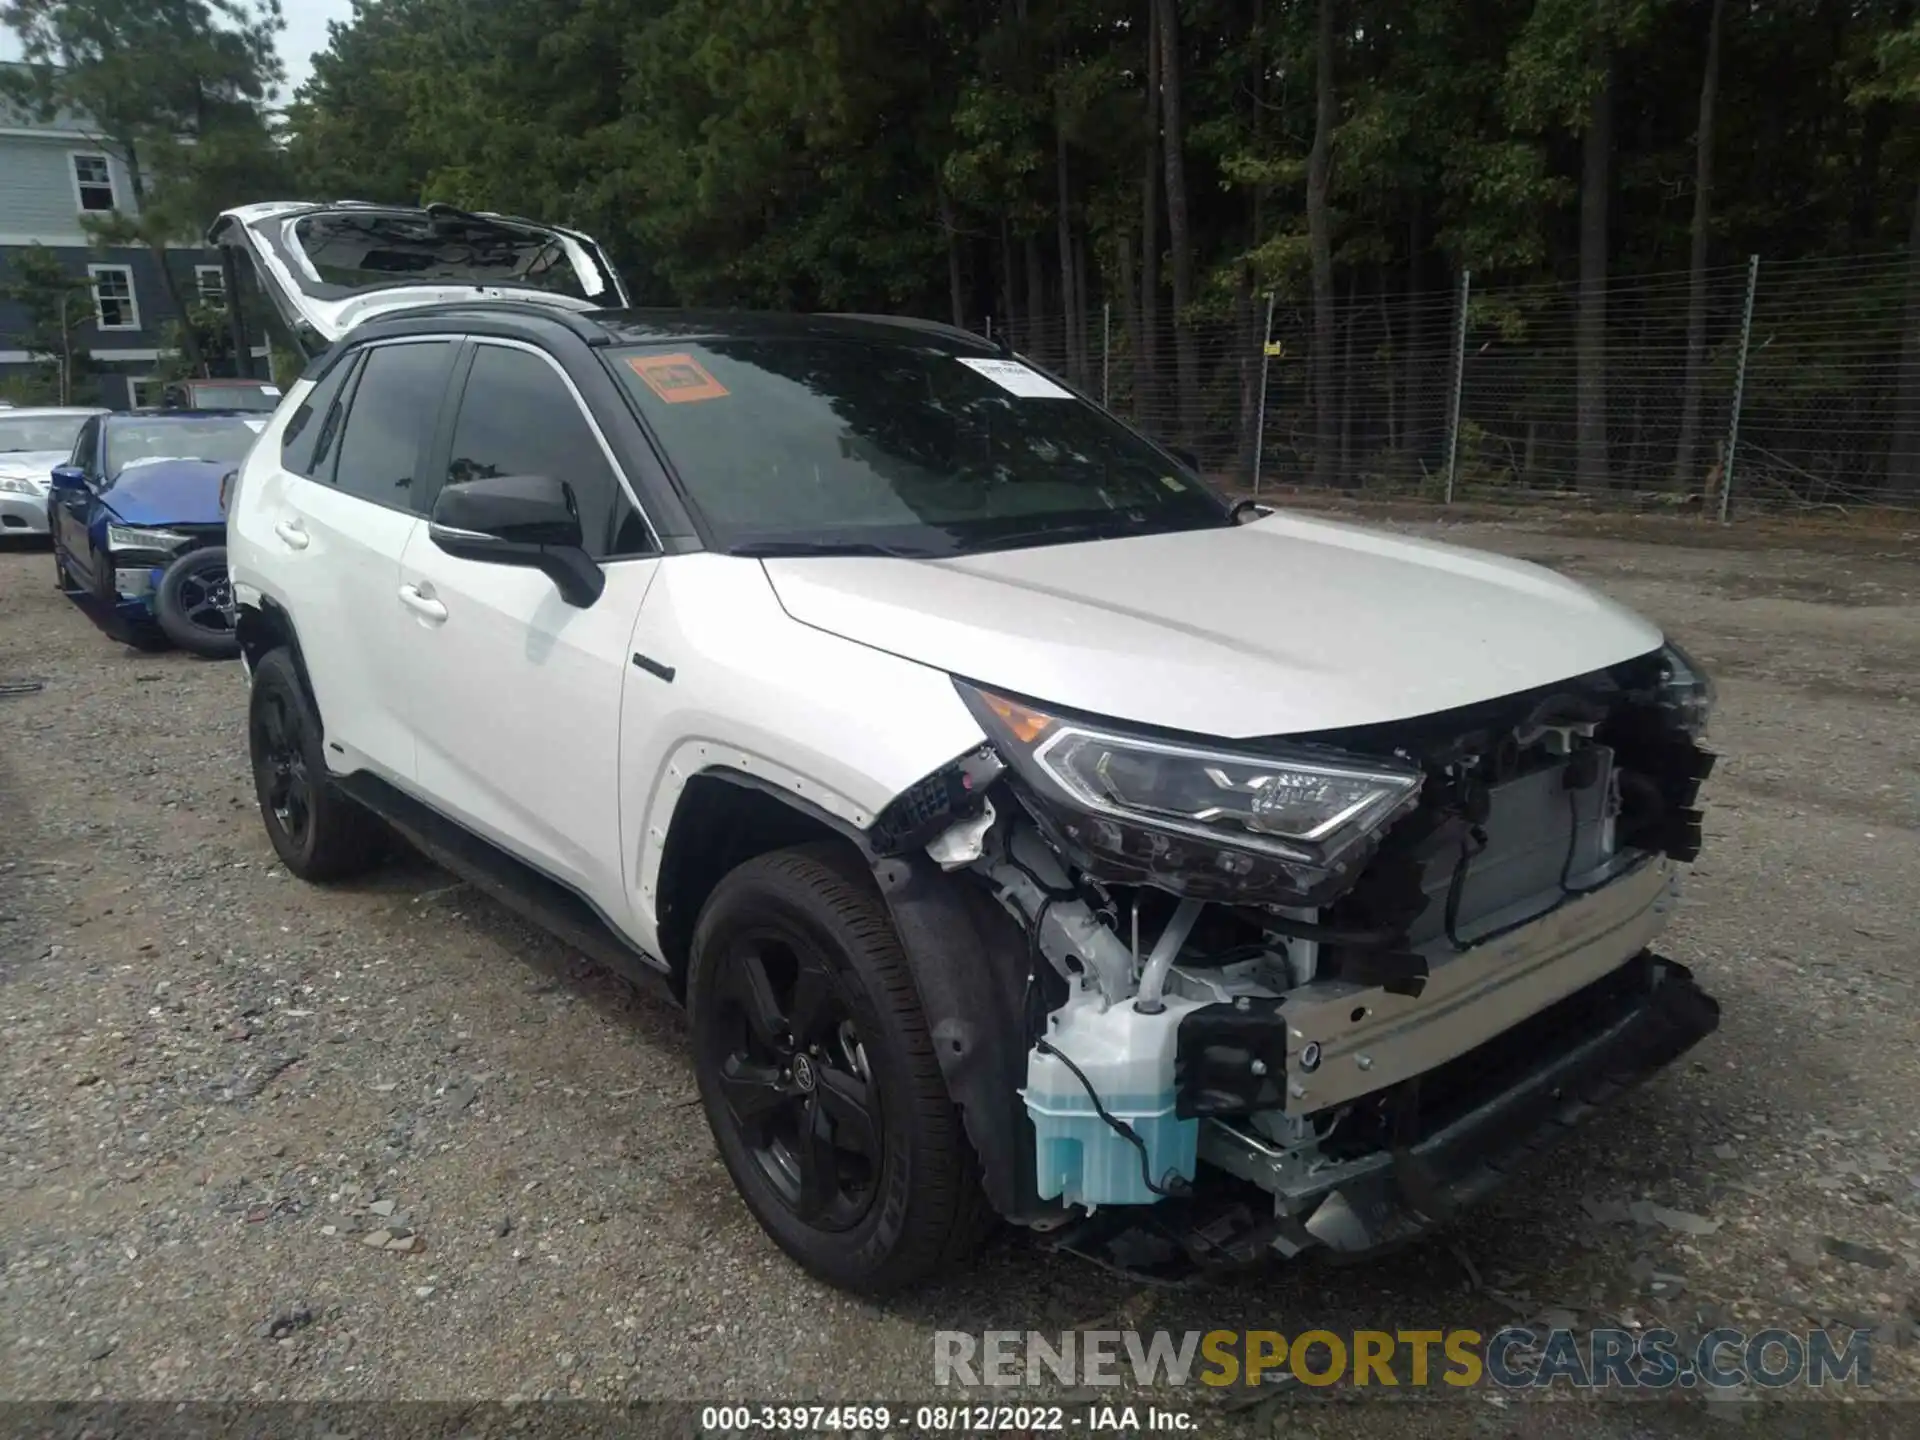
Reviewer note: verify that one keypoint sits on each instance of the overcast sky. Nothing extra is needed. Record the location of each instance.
(306, 32)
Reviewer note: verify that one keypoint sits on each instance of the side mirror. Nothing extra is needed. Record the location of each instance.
(1245, 512)
(528, 520)
(1185, 455)
(69, 477)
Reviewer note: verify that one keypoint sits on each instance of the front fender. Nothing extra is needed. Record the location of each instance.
(732, 682)
(729, 684)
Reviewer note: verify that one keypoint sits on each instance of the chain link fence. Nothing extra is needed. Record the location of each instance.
(1778, 386)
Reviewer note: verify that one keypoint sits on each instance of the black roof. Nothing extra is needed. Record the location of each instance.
(643, 326)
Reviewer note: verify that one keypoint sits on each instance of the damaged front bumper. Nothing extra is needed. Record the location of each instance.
(1335, 1040)
(1465, 1128)
(1169, 1057)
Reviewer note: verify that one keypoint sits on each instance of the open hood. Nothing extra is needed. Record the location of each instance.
(1284, 626)
(327, 267)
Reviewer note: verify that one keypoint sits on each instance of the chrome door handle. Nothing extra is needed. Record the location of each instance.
(293, 532)
(423, 605)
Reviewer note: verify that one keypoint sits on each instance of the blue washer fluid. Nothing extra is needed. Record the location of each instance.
(1128, 1059)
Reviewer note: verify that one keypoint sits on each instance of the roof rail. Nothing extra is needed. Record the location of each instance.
(591, 331)
(915, 322)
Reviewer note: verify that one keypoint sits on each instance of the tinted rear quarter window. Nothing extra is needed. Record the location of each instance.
(389, 417)
(301, 444)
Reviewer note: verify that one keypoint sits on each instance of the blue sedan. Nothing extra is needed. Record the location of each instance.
(137, 525)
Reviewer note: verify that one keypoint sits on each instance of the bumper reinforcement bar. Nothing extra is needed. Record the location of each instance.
(1651, 1013)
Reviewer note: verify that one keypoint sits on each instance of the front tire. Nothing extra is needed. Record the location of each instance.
(819, 1078)
(193, 604)
(318, 833)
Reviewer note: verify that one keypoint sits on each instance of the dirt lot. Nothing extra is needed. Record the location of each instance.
(218, 1081)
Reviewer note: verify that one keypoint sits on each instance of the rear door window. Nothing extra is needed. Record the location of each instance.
(390, 420)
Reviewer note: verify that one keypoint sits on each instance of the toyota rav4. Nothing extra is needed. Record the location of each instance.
(1027, 831)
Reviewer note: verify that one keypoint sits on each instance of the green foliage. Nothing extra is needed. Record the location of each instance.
(794, 152)
(210, 339)
(1895, 71)
(1500, 193)
(56, 304)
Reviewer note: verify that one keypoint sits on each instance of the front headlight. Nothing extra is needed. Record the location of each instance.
(19, 485)
(1686, 690)
(132, 537)
(1311, 810)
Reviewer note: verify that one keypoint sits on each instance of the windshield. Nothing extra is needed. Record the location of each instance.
(223, 439)
(39, 432)
(234, 397)
(828, 443)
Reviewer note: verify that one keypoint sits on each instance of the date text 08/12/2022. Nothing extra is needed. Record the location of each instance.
(959, 1419)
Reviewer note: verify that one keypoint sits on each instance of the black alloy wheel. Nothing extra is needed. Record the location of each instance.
(194, 603)
(817, 1073)
(317, 831)
(280, 767)
(794, 1076)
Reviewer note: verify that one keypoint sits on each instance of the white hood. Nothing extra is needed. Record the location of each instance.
(31, 464)
(1278, 627)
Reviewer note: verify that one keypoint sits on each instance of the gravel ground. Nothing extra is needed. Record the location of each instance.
(222, 1086)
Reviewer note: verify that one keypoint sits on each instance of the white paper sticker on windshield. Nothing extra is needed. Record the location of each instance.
(269, 389)
(256, 425)
(1016, 379)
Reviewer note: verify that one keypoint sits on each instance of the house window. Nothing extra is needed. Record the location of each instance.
(114, 305)
(212, 284)
(93, 182)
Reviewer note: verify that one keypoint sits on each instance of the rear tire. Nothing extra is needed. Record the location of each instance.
(819, 1079)
(193, 604)
(318, 833)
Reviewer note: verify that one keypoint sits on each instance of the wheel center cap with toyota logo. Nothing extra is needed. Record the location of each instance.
(803, 1075)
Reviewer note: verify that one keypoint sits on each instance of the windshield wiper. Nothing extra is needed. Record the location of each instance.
(1118, 525)
(788, 549)
(1055, 535)
(498, 224)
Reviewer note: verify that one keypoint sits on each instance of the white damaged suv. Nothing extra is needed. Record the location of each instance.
(1027, 831)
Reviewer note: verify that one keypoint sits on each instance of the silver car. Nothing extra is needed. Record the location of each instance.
(32, 442)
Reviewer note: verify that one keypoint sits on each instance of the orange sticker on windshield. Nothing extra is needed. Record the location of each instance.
(677, 379)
